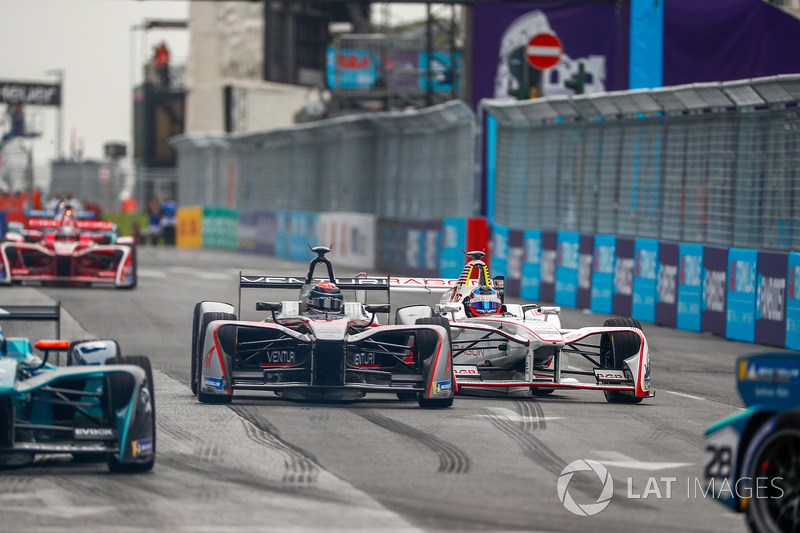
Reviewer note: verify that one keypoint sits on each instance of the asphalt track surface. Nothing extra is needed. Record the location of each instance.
(378, 464)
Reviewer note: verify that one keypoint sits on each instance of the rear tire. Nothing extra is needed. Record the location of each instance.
(198, 361)
(614, 349)
(407, 396)
(434, 403)
(121, 387)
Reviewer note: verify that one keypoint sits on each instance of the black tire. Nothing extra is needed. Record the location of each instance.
(204, 322)
(614, 349)
(779, 453)
(135, 274)
(426, 343)
(541, 391)
(123, 393)
(195, 333)
(407, 396)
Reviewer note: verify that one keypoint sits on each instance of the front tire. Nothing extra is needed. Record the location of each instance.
(614, 349)
(775, 509)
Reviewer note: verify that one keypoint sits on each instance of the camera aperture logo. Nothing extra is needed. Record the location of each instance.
(587, 509)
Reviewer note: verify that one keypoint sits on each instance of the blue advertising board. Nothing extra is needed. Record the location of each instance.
(793, 302)
(645, 270)
(771, 284)
(690, 286)
(622, 299)
(603, 273)
(741, 294)
(302, 230)
(567, 261)
(454, 238)
(531, 263)
(667, 285)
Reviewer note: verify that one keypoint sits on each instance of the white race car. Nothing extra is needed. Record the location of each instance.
(521, 349)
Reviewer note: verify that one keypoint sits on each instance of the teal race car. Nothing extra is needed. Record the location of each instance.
(752, 458)
(98, 405)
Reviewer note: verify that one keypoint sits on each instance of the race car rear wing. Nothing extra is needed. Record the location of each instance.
(33, 313)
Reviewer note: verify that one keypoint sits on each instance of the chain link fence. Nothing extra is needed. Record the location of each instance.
(714, 163)
(414, 164)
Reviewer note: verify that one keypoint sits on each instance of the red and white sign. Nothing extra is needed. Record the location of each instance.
(543, 51)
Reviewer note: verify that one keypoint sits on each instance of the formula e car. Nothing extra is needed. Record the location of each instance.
(521, 350)
(66, 249)
(100, 405)
(318, 347)
(752, 458)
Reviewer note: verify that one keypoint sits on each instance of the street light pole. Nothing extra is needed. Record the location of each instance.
(59, 74)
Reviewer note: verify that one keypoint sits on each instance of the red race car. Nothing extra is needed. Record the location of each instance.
(67, 250)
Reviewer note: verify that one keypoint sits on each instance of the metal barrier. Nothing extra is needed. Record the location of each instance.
(713, 163)
(416, 164)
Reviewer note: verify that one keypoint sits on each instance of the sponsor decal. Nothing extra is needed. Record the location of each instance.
(770, 298)
(771, 373)
(714, 291)
(667, 289)
(743, 277)
(94, 434)
(623, 276)
(142, 447)
(442, 386)
(475, 352)
(20, 271)
(646, 262)
(585, 271)
(568, 255)
(213, 383)
(463, 370)
(365, 359)
(548, 268)
(609, 375)
(145, 401)
(604, 259)
(279, 357)
(691, 267)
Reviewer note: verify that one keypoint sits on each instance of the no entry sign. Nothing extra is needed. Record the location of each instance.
(543, 51)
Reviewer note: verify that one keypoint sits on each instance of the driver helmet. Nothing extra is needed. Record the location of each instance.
(483, 301)
(67, 233)
(325, 297)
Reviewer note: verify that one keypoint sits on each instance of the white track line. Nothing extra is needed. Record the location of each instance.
(682, 394)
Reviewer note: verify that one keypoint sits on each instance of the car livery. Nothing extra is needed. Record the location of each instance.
(66, 249)
(752, 457)
(100, 405)
(320, 356)
(523, 349)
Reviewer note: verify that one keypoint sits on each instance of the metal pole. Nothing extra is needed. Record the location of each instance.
(429, 51)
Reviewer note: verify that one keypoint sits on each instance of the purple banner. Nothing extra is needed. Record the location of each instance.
(667, 288)
(583, 297)
(771, 298)
(715, 277)
(622, 299)
(547, 286)
(514, 263)
(718, 40)
(594, 34)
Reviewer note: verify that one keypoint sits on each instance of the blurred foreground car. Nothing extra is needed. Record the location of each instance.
(100, 405)
(67, 250)
(752, 458)
(318, 347)
(519, 350)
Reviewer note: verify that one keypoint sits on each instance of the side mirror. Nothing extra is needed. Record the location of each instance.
(268, 306)
(449, 308)
(378, 308)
